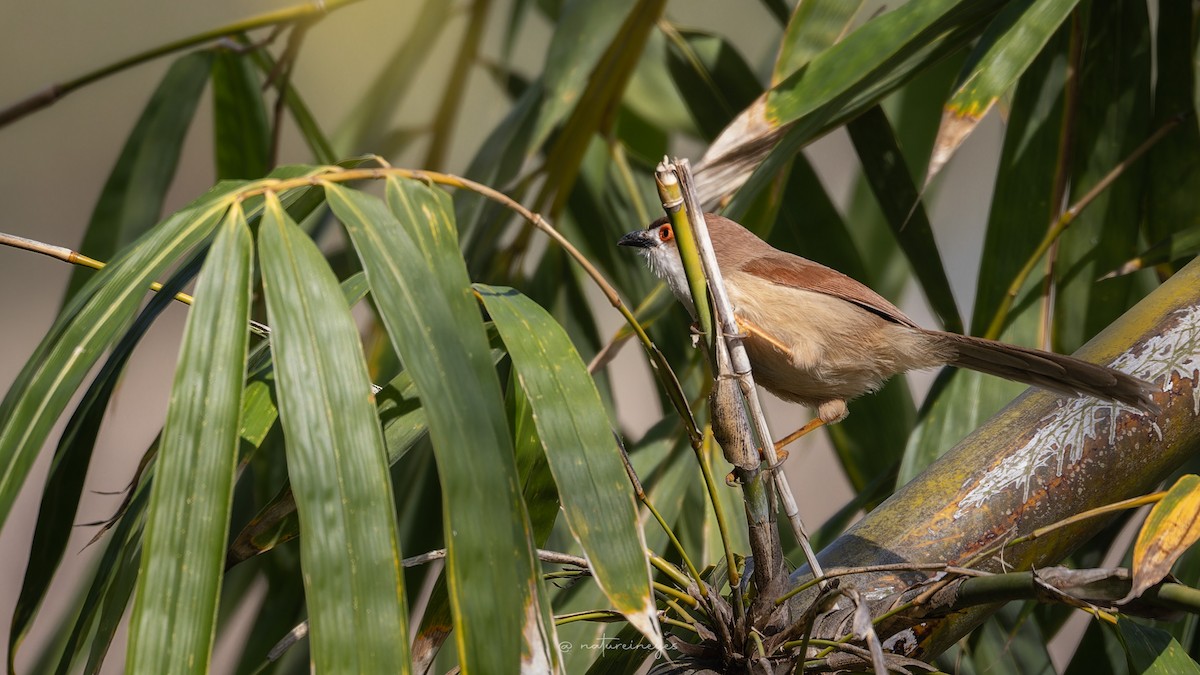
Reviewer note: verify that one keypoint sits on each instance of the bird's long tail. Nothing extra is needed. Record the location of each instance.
(1062, 374)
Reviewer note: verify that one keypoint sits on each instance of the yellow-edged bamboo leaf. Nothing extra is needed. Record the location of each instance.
(349, 548)
(1171, 528)
(420, 288)
(597, 499)
(835, 86)
(815, 26)
(1005, 50)
(175, 612)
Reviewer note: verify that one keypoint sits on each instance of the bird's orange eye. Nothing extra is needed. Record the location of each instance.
(664, 233)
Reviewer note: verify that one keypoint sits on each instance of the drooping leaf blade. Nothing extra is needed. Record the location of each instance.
(814, 26)
(837, 85)
(84, 331)
(1007, 48)
(349, 548)
(596, 496)
(175, 611)
(68, 470)
(419, 285)
(241, 134)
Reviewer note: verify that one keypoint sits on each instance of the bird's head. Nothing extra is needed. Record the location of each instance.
(656, 243)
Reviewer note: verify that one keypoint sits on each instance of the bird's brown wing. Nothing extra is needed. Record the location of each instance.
(797, 272)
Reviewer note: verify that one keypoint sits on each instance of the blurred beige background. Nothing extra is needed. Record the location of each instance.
(55, 163)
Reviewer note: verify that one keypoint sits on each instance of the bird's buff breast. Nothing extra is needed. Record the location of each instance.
(815, 347)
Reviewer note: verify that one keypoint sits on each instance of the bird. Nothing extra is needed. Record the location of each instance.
(817, 337)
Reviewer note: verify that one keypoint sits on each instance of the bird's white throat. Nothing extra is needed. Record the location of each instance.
(665, 263)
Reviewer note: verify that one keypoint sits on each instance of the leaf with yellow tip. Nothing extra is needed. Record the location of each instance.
(1006, 49)
(1172, 526)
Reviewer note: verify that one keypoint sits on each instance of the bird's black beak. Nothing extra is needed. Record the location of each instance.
(639, 239)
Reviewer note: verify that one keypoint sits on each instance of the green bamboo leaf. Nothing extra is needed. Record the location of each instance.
(132, 198)
(348, 548)
(537, 481)
(1022, 208)
(1100, 652)
(1010, 643)
(898, 197)
(84, 331)
(72, 457)
(241, 133)
(516, 19)
(584, 32)
(590, 110)
(1113, 119)
(714, 80)
(1154, 652)
(1181, 245)
(1173, 166)
(108, 593)
(848, 67)
(1007, 48)
(497, 163)
(597, 499)
(815, 25)
(836, 86)
(540, 496)
(174, 616)
(420, 287)
(404, 425)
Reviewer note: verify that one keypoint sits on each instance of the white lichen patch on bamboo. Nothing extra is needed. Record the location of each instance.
(1062, 435)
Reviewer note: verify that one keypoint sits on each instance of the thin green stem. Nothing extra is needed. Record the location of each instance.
(620, 160)
(662, 565)
(54, 92)
(601, 615)
(722, 523)
(675, 593)
(678, 624)
(695, 573)
(1064, 221)
(317, 141)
